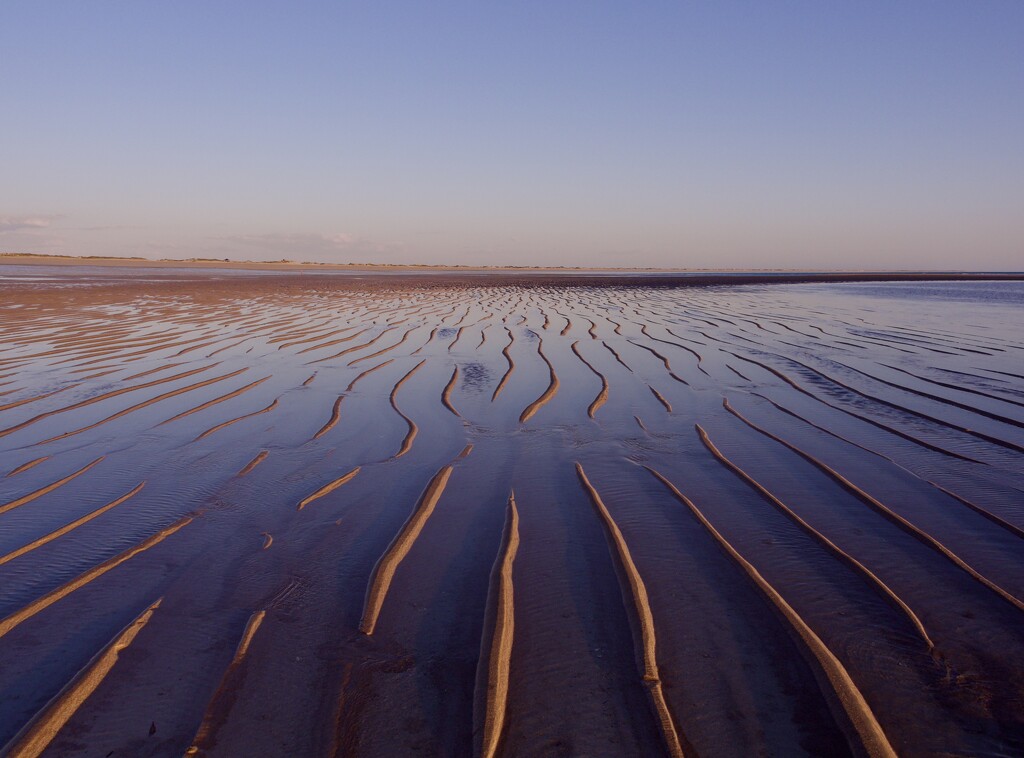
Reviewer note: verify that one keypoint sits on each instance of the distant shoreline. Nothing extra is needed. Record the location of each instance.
(44, 259)
(524, 276)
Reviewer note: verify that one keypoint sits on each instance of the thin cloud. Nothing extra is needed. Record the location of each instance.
(309, 246)
(293, 240)
(9, 224)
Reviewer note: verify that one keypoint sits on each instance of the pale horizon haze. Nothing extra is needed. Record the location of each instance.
(677, 135)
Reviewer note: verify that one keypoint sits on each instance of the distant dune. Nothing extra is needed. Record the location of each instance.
(520, 275)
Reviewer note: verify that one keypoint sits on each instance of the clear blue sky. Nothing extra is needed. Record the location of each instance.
(714, 134)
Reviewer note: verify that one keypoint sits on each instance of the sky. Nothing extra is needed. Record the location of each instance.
(718, 134)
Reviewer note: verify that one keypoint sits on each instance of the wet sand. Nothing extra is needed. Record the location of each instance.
(510, 513)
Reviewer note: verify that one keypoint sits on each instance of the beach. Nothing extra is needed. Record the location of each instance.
(293, 511)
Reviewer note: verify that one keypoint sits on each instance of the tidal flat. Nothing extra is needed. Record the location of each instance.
(365, 515)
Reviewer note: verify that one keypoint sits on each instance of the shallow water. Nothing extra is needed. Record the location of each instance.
(779, 519)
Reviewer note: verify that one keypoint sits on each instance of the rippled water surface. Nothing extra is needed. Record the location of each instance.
(313, 515)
